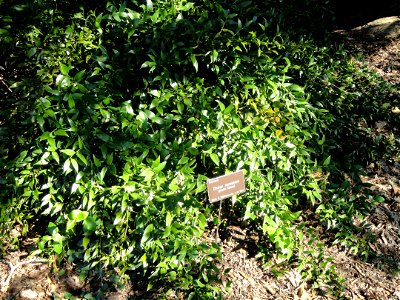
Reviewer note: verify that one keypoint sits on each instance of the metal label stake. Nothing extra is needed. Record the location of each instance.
(223, 187)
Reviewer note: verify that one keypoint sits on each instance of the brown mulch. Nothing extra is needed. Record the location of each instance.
(382, 56)
(379, 43)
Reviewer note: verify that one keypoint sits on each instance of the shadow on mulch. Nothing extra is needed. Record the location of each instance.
(350, 14)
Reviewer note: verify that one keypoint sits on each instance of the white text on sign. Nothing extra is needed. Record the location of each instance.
(226, 186)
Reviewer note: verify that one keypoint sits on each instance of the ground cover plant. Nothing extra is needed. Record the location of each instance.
(114, 115)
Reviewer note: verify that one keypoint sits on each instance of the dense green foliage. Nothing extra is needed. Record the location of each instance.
(114, 115)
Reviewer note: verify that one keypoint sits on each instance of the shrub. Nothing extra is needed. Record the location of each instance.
(121, 112)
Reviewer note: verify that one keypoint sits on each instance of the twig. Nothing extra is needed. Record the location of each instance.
(13, 268)
(359, 271)
(5, 84)
(217, 239)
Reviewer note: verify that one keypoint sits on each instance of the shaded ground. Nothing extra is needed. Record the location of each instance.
(377, 279)
(379, 42)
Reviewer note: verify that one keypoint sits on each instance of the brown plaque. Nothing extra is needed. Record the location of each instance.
(226, 186)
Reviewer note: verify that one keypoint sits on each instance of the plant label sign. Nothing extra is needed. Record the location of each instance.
(226, 186)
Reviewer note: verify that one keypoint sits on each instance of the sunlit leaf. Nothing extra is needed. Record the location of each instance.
(168, 219)
(60, 132)
(58, 248)
(66, 166)
(215, 158)
(69, 152)
(64, 69)
(78, 215)
(194, 62)
(147, 234)
(149, 5)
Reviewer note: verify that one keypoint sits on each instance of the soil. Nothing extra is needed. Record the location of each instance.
(376, 278)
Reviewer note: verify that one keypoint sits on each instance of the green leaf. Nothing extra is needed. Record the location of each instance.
(147, 174)
(289, 145)
(160, 167)
(58, 248)
(52, 144)
(74, 187)
(70, 225)
(228, 110)
(327, 161)
(269, 177)
(31, 52)
(245, 3)
(58, 238)
(234, 200)
(64, 69)
(60, 132)
(78, 215)
(379, 199)
(194, 61)
(249, 213)
(118, 218)
(143, 259)
(221, 106)
(40, 120)
(75, 164)
(109, 159)
(215, 158)
(89, 224)
(85, 242)
(98, 20)
(68, 152)
(167, 232)
(169, 219)
(52, 228)
(149, 5)
(172, 276)
(96, 161)
(78, 76)
(50, 113)
(66, 166)
(54, 154)
(214, 56)
(155, 16)
(71, 101)
(180, 107)
(202, 221)
(82, 158)
(103, 173)
(116, 16)
(146, 234)
(20, 7)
